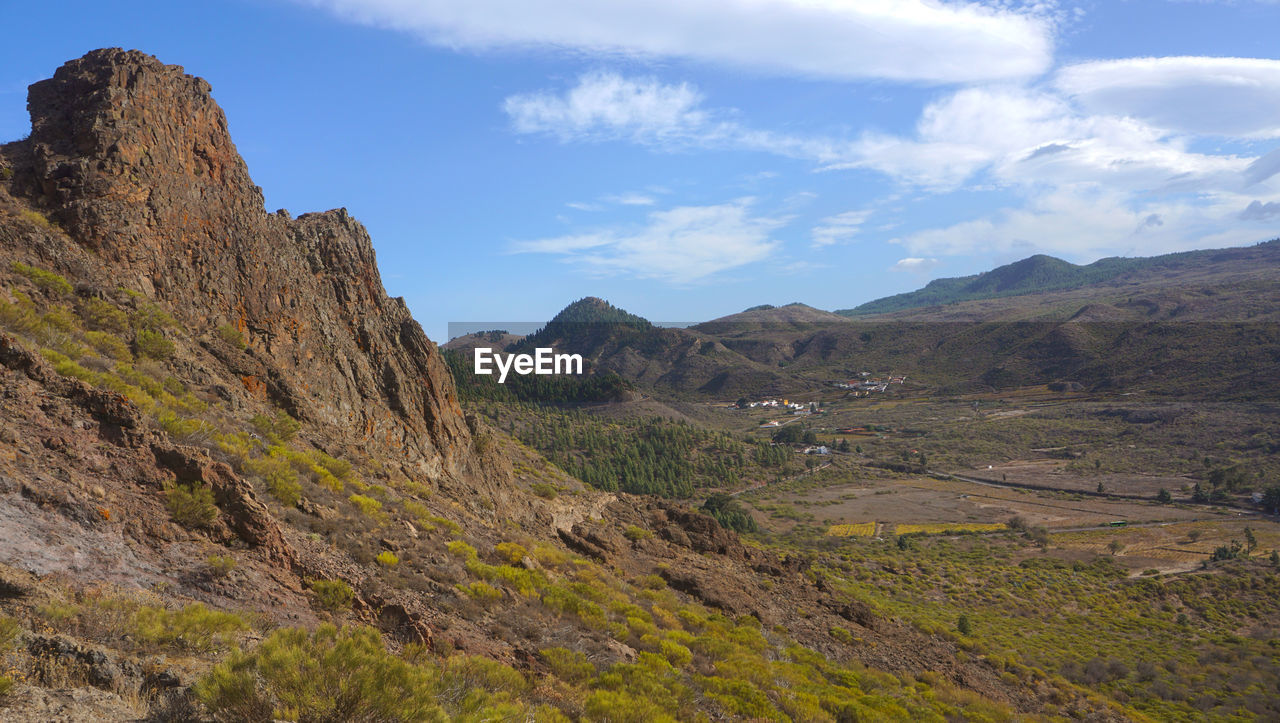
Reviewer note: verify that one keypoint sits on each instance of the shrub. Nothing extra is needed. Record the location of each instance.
(482, 591)
(191, 505)
(278, 429)
(458, 548)
(20, 315)
(675, 653)
(36, 218)
(510, 551)
(102, 315)
(180, 428)
(46, 280)
(387, 558)
(331, 674)
(153, 345)
(841, 634)
(152, 317)
(369, 507)
(964, 626)
(8, 632)
(231, 335)
(60, 317)
(339, 468)
(332, 595)
(280, 477)
(6, 685)
(635, 533)
(544, 490)
(220, 565)
(109, 345)
(570, 666)
(194, 627)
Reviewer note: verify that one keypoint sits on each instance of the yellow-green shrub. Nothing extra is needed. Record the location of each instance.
(60, 317)
(194, 627)
(279, 475)
(481, 590)
(278, 429)
(387, 558)
(221, 565)
(103, 316)
(109, 345)
(181, 428)
(510, 551)
(328, 675)
(46, 280)
(570, 666)
(368, 506)
(458, 548)
(153, 345)
(191, 505)
(332, 595)
(231, 335)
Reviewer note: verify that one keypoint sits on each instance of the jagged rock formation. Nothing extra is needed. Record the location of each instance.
(133, 159)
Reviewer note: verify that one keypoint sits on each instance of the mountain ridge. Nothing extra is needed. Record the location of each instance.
(1041, 273)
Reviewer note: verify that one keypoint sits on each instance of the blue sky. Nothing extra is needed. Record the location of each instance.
(689, 159)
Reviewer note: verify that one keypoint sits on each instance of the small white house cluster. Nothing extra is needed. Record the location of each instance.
(871, 385)
(774, 403)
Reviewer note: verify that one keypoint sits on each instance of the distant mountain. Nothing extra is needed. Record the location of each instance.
(1041, 274)
(611, 339)
(791, 314)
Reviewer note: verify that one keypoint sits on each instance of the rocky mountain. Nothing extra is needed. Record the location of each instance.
(132, 159)
(218, 431)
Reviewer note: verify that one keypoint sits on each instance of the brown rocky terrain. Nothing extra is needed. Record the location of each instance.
(165, 337)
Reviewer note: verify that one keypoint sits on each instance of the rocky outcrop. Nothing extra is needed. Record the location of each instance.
(243, 512)
(134, 160)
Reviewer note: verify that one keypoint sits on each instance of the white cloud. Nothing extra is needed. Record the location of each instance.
(1091, 222)
(679, 245)
(631, 199)
(580, 206)
(1025, 136)
(840, 227)
(1238, 97)
(932, 41)
(1019, 135)
(914, 264)
(607, 106)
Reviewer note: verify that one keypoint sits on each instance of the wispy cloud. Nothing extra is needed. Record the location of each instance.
(932, 41)
(914, 264)
(606, 106)
(838, 228)
(631, 199)
(679, 245)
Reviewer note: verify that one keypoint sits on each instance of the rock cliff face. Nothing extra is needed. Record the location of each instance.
(133, 159)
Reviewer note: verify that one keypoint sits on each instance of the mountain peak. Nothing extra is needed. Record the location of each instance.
(133, 162)
(593, 309)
